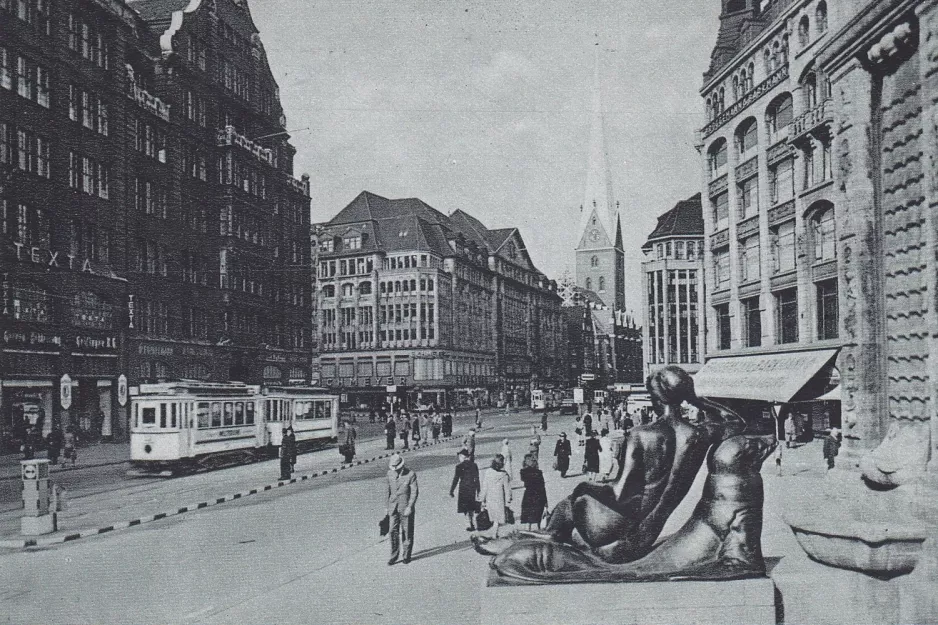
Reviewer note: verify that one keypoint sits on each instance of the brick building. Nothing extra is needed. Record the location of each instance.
(432, 308)
(145, 235)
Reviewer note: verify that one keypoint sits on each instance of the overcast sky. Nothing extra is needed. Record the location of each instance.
(484, 106)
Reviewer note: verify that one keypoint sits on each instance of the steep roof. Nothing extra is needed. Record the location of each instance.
(685, 219)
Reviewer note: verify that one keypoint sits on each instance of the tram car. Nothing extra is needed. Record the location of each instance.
(538, 400)
(183, 426)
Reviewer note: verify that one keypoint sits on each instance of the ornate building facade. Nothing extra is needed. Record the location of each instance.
(145, 235)
(435, 308)
(673, 289)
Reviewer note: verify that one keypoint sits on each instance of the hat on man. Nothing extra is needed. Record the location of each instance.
(396, 462)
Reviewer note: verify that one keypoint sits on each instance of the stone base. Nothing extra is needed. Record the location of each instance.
(746, 602)
(38, 525)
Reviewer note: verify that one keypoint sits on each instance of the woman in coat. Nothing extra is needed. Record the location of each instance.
(534, 500)
(562, 451)
(415, 431)
(605, 456)
(591, 456)
(403, 430)
(496, 493)
(467, 477)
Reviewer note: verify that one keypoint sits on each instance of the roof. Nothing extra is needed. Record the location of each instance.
(151, 10)
(740, 23)
(685, 219)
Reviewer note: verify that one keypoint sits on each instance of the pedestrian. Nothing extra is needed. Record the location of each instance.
(28, 448)
(587, 424)
(70, 452)
(390, 433)
(54, 444)
(416, 431)
(404, 430)
(402, 496)
(437, 426)
(591, 456)
(534, 500)
(447, 424)
(292, 447)
(348, 448)
(372, 416)
(479, 419)
(535, 445)
(286, 467)
(790, 430)
(562, 454)
(544, 420)
(496, 493)
(466, 477)
(469, 443)
(506, 455)
(606, 459)
(831, 447)
(424, 427)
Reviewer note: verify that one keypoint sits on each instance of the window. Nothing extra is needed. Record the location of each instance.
(352, 243)
(752, 319)
(783, 247)
(721, 269)
(716, 158)
(749, 198)
(602, 284)
(364, 288)
(668, 249)
(660, 250)
(749, 259)
(589, 284)
(825, 244)
(778, 117)
(782, 181)
(809, 91)
(326, 244)
(6, 68)
(724, 333)
(827, 310)
(679, 250)
(747, 136)
(820, 17)
(594, 262)
(804, 31)
(721, 211)
(786, 316)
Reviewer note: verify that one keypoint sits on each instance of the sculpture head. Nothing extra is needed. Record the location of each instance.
(742, 455)
(669, 387)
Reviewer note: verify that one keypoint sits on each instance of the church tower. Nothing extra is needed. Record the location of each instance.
(600, 259)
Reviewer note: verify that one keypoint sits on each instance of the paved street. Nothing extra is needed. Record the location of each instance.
(305, 553)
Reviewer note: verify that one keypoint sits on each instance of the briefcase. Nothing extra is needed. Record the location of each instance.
(384, 525)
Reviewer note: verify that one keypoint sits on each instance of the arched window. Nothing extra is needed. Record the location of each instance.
(778, 116)
(364, 288)
(804, 31)
(820, 17)
(750, 78)
(328, 290)
(768, 61)
(589, 284)
(736, 92)
(823, 231)
(721, 104)
(716, 157)
(809, 91)
(709, 106)
(747, 136)
(602, 284)
(594, 261)
(784, 50)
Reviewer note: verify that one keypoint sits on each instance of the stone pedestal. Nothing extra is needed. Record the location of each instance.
(38, 525)
(749, 602)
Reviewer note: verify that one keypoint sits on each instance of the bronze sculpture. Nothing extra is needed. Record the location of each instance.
(600, 528)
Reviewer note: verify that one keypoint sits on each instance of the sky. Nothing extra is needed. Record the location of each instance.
(484, 106)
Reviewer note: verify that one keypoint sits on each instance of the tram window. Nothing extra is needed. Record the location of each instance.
(239, 413)
(162, 415)
(216, 414)
(249, 413)
(149, 416)
(319, 409)
(229, 413)
(202, 414)
(172, 415)
(136, 416)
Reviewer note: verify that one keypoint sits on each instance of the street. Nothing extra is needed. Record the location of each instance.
(306, 553)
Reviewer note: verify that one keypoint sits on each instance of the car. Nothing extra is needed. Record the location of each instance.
(567, 406)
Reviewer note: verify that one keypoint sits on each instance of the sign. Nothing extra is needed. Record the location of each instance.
(58, 259)
(65, 392)
(31, 339)
(30, 472)
(391, 389)
(587, 377)
(122, 389)
(578, 396)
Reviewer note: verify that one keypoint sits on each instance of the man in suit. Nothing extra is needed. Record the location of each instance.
(402, 495)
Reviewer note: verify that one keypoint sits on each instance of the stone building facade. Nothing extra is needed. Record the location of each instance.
(673, 289)
(429, 308)
(144, 235)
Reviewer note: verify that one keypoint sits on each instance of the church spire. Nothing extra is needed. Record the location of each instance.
(598, 198)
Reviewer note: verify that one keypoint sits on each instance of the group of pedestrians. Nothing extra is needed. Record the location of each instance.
(58, 445)
(417, 428)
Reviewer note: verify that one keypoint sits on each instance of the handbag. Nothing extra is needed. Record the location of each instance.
(555, 464)
(384, 525)
(483, 521)
(509, 515)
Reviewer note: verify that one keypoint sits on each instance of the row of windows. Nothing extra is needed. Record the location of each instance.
(33, 12)
(149, 139)
(679, 250)
(345, 267)
(88, 109)
(786, 317)
(27, 78)
(89, 176)
(673, 324)
(89, 40)
(28, 151)
(424, 285)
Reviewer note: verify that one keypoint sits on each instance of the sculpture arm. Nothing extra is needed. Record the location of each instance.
(629, 463)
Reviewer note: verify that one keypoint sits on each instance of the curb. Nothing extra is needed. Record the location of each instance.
(25, 543)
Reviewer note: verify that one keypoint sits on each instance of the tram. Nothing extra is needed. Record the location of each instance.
(187, 425)
(538, 400)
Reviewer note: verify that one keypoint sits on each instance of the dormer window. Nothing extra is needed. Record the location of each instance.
(326, 245)
(352, 242)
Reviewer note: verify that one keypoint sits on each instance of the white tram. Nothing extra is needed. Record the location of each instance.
(187, 425)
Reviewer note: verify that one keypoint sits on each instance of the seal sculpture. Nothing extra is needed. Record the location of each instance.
(721, 540)
(620, 523)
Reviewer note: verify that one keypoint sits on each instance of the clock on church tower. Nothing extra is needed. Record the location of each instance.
(593, 235)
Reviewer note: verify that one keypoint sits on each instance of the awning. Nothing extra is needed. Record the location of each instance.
(774, 378)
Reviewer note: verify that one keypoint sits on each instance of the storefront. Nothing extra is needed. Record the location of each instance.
(764, 387)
